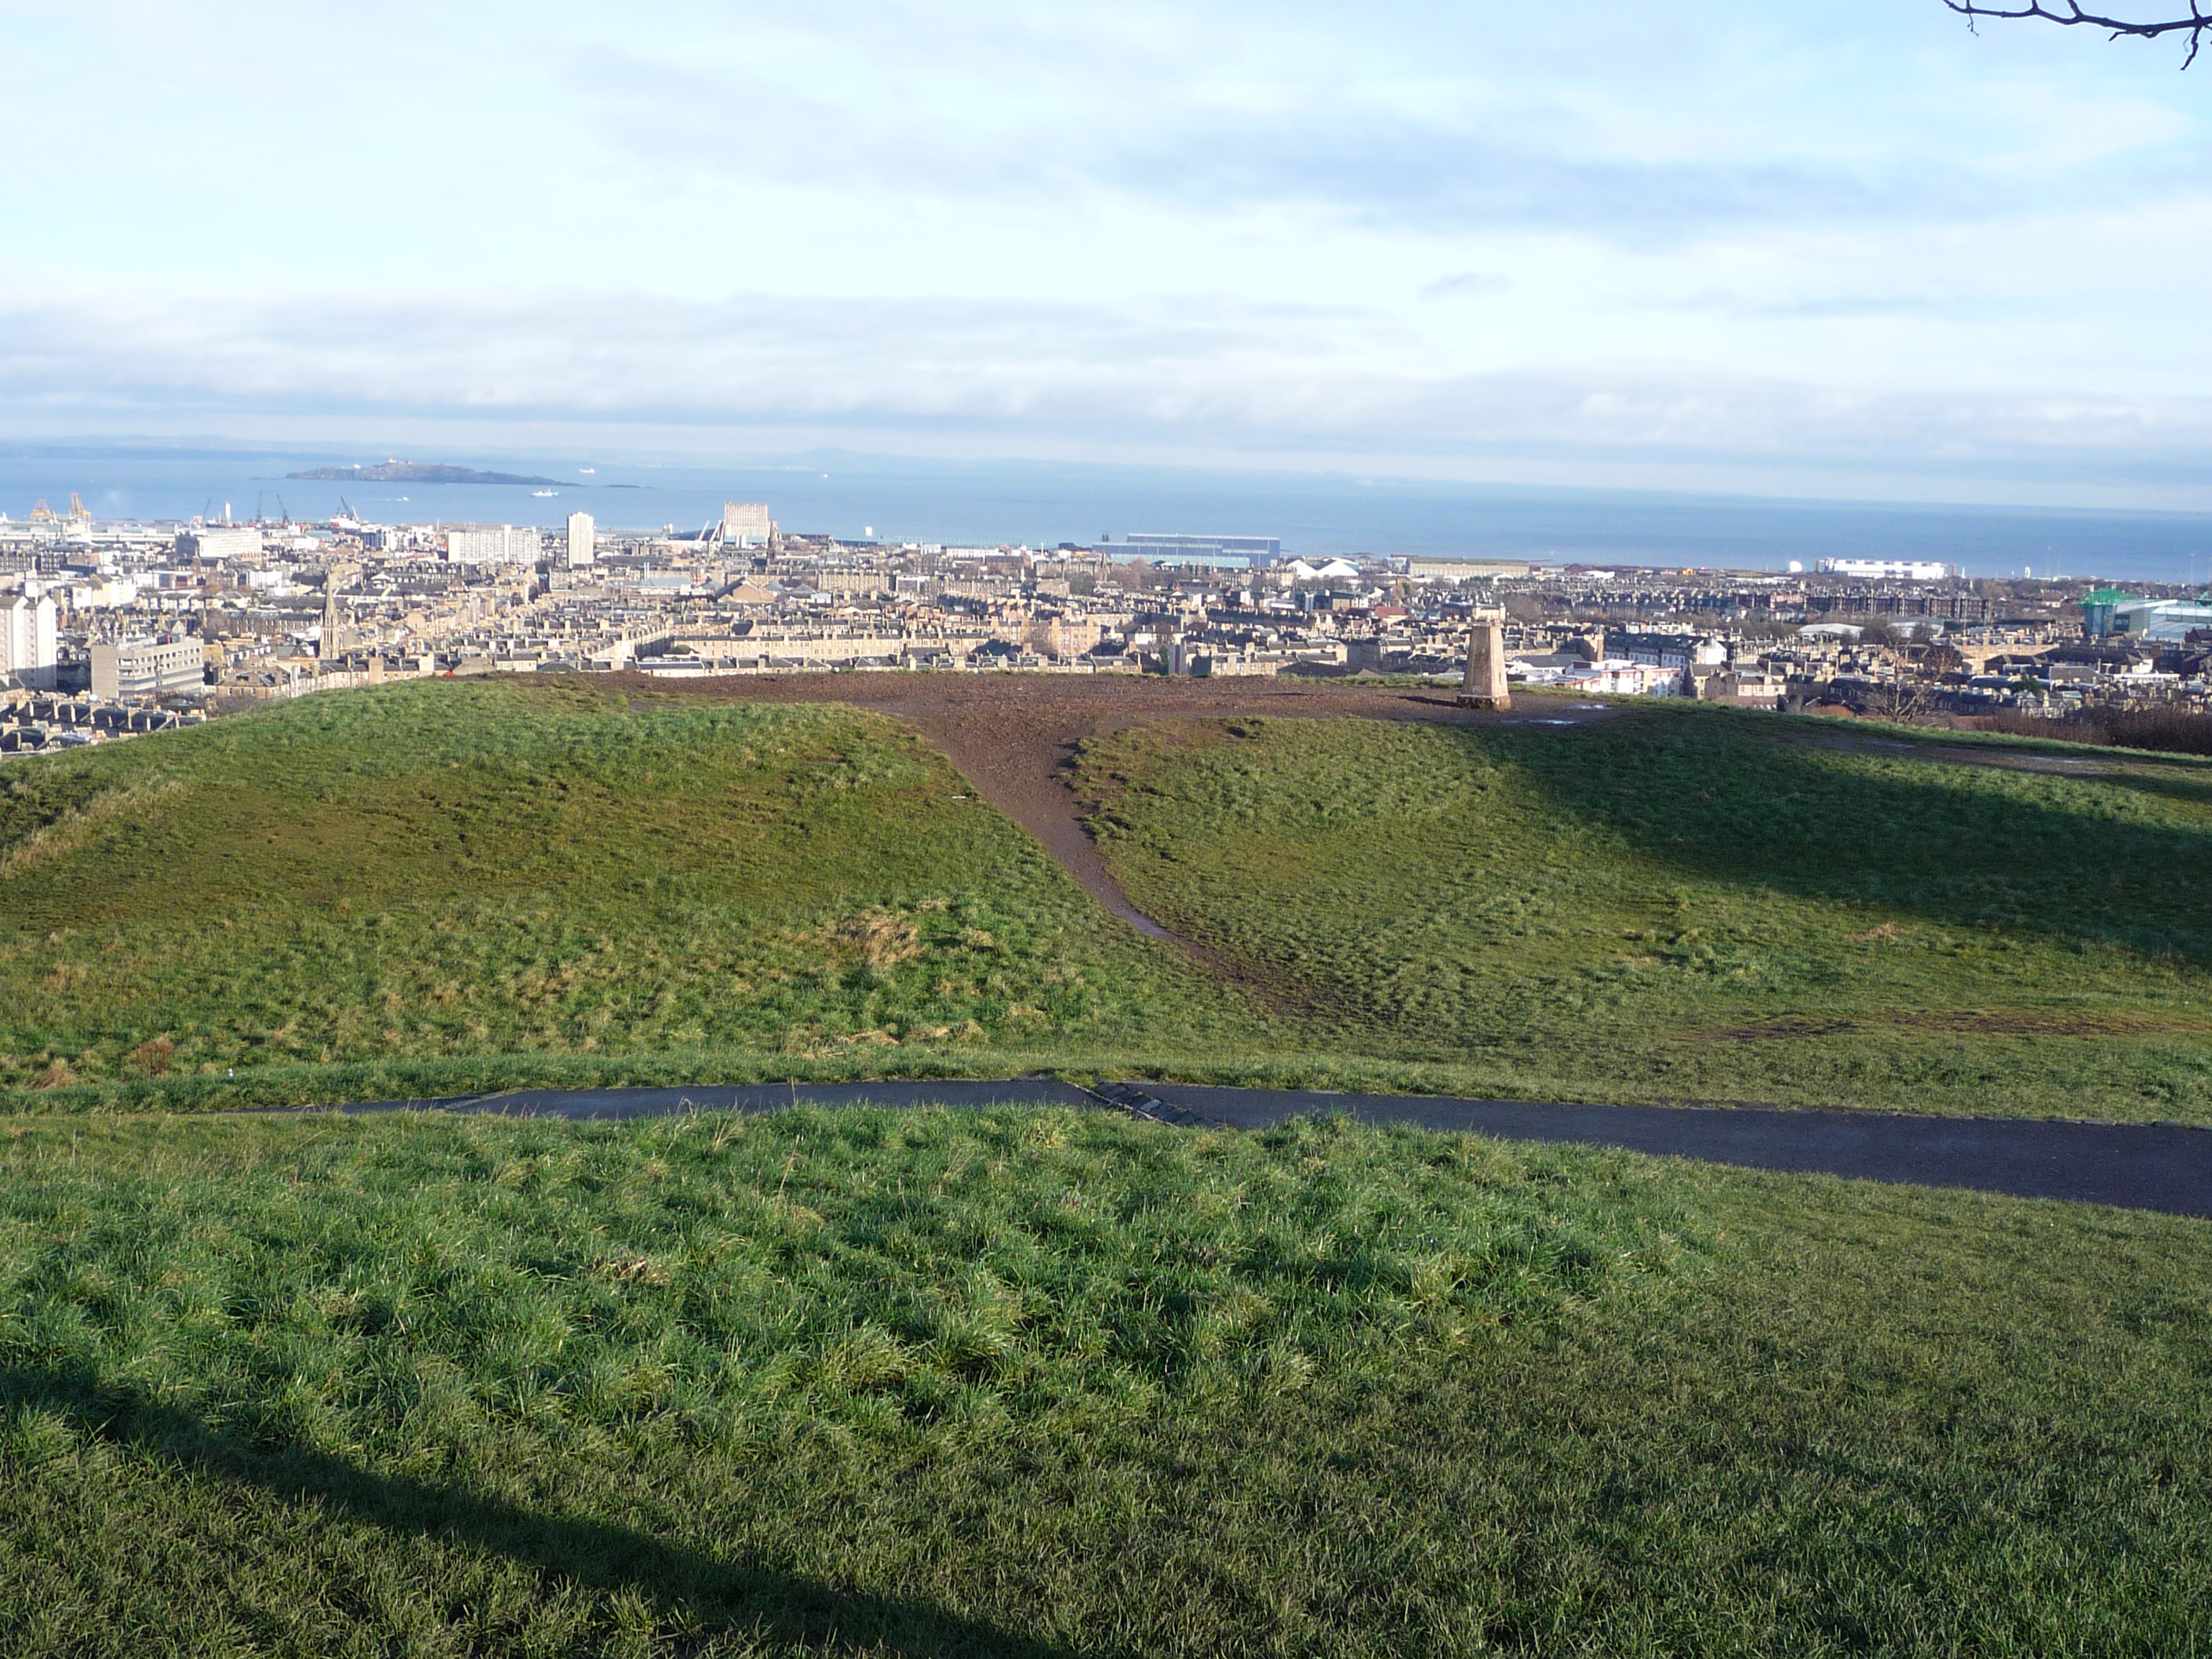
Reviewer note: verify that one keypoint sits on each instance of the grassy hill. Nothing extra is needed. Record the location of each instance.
(436, 888)
(1045, 1384)
(1687, 903)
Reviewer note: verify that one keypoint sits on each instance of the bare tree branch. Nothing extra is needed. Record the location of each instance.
(2069, 14)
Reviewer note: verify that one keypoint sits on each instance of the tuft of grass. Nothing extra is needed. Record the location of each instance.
(889, 1275)
(1044, 1383)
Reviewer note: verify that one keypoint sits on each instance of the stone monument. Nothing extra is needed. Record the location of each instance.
(1485, 686)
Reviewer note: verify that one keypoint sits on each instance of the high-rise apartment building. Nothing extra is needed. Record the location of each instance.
(747, 524)
(29, 646)
(581, 550)
(504, 543)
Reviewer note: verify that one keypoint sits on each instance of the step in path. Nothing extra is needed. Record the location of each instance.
(2147, 1166)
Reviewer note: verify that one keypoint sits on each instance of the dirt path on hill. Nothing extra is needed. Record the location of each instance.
(1014, 736)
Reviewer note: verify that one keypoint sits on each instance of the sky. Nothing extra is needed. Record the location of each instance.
(1834, 248)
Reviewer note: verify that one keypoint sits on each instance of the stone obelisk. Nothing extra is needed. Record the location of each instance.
(1485, 686)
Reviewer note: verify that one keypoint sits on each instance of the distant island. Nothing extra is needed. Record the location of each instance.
(414, 472)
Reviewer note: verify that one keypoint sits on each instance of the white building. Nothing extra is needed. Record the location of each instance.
(1328, 570)
(1454, 568)
(223, 541)
(29, 645)
(147, 668)
(505, 543)
(1609, 676)
(746, 524)
(1889, 570)
(104, 593)
(582, 548)
(2163, 620)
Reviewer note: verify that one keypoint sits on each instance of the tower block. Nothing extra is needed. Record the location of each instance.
(1485, 686)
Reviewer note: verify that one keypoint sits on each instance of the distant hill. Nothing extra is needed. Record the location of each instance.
(414, 472)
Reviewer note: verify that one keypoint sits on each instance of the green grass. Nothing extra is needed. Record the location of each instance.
(1041, 1383)
(1047, 1385)
(436, 888)
(1685, 902)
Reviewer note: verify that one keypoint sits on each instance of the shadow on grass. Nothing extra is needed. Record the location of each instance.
(1721, 801)
(2185, 778)
(760, 1601)
(2163, 785)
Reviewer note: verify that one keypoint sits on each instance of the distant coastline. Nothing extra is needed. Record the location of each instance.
(989, 504)
(414, 472)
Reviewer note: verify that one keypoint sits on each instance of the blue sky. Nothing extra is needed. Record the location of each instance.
(1831, 247)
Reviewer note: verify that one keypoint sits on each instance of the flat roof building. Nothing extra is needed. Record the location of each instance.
(1454, 568)
(505, 543)
(2166, 621)
(1889, 570)
(221, 541)
(1219, 552)
(747, 524)
(147, 668)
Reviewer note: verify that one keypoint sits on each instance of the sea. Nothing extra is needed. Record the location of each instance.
(1041, 504)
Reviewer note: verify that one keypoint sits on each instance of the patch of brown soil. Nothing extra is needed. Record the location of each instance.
(1014, 736)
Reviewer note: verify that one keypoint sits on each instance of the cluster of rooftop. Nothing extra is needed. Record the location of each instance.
(200, 616)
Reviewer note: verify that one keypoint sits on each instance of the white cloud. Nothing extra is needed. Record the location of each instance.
(1853, 239)
(1466, 285)
(1231, 382)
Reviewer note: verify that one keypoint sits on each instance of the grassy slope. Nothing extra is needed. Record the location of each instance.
(1044, 1384)
(439, 887)
(1687, 903)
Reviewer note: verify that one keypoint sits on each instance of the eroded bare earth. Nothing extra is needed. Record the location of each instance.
(1013, 736)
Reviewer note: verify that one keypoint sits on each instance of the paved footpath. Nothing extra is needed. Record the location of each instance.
(2146, 1166)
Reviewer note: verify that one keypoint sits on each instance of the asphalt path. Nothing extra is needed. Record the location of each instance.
(2144, 1166)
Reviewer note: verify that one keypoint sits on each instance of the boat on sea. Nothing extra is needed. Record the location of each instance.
(544, 492)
